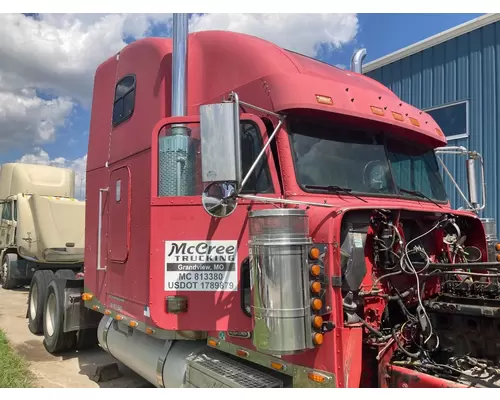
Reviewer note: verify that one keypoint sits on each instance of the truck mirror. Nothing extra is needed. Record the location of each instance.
(220, 143)
(219, 199)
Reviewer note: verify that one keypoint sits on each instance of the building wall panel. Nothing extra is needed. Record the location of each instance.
(464, 68)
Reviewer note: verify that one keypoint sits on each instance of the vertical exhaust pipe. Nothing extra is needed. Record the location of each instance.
(357, 60)
(179, 65)
(177, 151)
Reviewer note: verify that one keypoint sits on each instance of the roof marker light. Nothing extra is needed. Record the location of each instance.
(397, 116)
(324, 100)
(377, 111)
(414, 121)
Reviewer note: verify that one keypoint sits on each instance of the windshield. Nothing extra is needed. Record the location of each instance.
(343, 159)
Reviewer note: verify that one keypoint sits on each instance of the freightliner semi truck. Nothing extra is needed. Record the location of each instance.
(258, 218)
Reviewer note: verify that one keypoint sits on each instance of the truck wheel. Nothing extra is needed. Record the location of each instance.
(64, 273)
(6, 273)
(55, 339)
(87, 338)
(36, 299)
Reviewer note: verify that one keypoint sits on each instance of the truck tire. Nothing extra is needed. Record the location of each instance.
(36, 300)
(64, 273)
(55, 339)
(6, 274)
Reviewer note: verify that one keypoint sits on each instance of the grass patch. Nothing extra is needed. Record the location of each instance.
(14, 372)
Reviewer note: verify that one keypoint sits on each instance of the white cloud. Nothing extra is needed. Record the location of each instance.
(41, 157)
(26, 117)
(299, 32)
(57, 54)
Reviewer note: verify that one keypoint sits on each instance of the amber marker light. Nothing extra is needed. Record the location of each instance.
(318, 338)
(87, 296)
(242, 353)
(316, 304)
(315, 377)
(133, 324)
(498, 257)
(277, 366)
(315, 270)
(497, 247)
(316, 287)
(107, 312)
(414, 121)
(314, 253)
(212, 343)
(397, 116)
(377, 111)
(317, 321)
(150, 331)
(324, 100)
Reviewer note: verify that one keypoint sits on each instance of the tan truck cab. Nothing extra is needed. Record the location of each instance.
(42, 225)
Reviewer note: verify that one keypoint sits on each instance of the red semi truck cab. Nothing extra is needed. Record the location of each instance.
(287, 222)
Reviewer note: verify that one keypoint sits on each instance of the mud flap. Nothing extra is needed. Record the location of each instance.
(76, 316)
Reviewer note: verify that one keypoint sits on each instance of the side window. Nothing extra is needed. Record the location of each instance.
(15, 210)
(123, 107)
(251, 145)
(7, 211)
(453, 119)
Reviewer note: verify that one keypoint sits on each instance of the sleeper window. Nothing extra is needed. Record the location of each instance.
(124, 103)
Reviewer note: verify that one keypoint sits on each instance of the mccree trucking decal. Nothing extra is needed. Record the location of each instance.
(201, 266)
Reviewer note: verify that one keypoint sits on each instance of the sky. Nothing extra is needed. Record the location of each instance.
(47, 62)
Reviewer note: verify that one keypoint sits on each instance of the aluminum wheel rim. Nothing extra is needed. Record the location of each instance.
(50, 314)
(33, 300)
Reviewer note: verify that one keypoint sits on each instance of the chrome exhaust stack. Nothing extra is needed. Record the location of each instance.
(357, 61)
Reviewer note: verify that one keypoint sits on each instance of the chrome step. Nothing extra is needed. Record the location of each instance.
(213, 369)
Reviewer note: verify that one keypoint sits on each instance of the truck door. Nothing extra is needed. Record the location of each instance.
(8, 223)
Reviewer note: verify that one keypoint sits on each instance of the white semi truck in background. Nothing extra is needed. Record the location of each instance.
(42, 228)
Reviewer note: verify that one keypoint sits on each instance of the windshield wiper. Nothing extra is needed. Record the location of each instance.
(334, 189)
(419, 194)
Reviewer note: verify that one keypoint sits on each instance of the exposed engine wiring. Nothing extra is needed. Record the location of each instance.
(402, 265)
(412, 268)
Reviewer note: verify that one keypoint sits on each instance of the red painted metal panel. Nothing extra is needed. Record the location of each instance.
(401, 377)
(182, 219)
(148, 60)
(100, 120)
(128, 283)
(119, 214)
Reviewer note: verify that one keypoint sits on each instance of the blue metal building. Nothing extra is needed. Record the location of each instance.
(455, 77)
